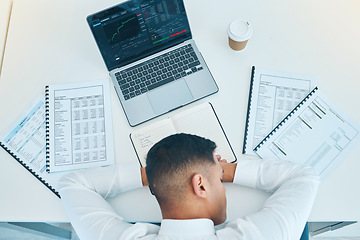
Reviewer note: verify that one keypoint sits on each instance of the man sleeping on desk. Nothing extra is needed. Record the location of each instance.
(187, 181)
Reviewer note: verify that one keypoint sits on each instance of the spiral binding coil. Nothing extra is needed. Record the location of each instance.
(248, 110)
(285, 119)
(47, 135)
(29, 169)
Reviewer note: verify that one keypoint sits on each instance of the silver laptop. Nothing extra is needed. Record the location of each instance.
(150, 55)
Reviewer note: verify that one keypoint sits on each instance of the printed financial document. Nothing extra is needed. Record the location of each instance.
(26, 137)
(317, 134)
(26, 140)
(272, 97)
(80, 126)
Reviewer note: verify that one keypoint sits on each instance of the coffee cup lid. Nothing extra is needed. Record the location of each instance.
(240, 30)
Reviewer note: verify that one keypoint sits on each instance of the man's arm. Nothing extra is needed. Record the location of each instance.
(284, 214)
(83, 195)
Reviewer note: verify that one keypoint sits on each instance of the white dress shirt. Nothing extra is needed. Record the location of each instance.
(283, 215)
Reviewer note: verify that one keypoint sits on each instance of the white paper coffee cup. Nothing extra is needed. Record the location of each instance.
(239, 33)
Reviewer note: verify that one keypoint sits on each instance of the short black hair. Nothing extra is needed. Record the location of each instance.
(171, 161)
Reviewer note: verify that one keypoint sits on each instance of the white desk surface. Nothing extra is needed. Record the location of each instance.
(5, 10)
(49, 42)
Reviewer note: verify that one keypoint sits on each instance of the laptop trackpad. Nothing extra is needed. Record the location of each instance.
(170, 96)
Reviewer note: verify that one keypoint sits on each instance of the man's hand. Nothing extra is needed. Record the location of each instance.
(229, 169)
(143, 177)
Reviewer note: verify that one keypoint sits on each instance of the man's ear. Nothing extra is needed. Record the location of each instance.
(199, 186)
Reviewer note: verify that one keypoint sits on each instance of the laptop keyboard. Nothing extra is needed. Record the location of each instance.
(158, 71)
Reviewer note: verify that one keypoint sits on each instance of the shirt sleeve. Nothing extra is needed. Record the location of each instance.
(83, 195)
(285, 212)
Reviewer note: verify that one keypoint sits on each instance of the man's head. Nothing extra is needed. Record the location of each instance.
(185, 178)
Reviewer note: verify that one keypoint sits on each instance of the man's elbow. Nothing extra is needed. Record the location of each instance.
(69, 179)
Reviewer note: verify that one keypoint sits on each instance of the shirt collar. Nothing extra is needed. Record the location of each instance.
(187, 227)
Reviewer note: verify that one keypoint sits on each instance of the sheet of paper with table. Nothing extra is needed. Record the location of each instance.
(79, 123)
(272, 95)
(25, 141)
(75, 121)
(315, 133)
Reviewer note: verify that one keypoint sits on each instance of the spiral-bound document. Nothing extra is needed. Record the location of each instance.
(79, 130)
(25, 141)
(315, 133)
(272, 96)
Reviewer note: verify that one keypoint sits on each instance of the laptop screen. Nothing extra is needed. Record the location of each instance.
(138, 28)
